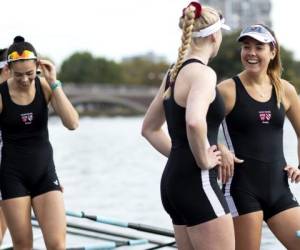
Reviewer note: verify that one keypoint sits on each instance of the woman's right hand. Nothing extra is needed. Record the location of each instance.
(226, 168)
(214, 157)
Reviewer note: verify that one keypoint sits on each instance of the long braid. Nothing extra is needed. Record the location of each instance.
(188, 24)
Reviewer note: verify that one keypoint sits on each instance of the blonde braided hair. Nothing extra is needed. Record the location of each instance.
(186, 38)
(189, 23)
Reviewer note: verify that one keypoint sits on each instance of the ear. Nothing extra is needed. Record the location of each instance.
(38, 63)
(213, 37)
(273, 53)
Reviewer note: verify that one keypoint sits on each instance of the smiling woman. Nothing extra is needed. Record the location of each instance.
(27, 175)
(257, 101)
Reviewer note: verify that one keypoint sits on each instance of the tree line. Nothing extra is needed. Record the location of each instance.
(149, 69)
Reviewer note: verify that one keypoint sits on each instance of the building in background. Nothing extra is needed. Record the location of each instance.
(239, 14)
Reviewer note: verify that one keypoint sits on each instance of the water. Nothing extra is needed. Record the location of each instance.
(108, 169)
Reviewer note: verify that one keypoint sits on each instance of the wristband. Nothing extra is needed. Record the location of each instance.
(55, 85)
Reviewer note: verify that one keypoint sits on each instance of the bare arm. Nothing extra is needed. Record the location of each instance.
(58, 99)
(293, 106)
(152, 124)
(201, 94)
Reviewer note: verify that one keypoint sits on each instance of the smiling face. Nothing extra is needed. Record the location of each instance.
(23, 72)
(255, 55)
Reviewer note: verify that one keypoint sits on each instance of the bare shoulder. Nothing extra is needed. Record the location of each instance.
(227, 87)
(289, 89)
(197, 73)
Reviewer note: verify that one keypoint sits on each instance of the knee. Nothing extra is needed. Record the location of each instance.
(21, 244)
(57, 244)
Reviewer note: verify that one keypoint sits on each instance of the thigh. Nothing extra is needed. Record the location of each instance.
(248, 229)
(216, 234)
(2, 225)
(50, 212)
(183, 241)
(284, 226)
(17, 213)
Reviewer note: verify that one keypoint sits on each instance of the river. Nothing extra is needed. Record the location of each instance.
(108, 169)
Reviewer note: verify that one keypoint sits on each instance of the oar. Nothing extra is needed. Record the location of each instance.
(115, 222)
(107, 232)
(162, 245)
(116, 242)
(111, 245)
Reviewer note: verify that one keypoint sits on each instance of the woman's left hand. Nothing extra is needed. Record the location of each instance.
(48, 70)
(293, 173)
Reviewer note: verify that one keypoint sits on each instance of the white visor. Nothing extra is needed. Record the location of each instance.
(259, 33)
(220, 24)
(3, 64)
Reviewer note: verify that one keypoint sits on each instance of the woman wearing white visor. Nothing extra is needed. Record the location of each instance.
(193, 109)
(257, 101)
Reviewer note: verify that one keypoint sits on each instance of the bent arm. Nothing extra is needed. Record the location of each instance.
(59, 101)
(152, 124)
(293, 111)
(201, 94)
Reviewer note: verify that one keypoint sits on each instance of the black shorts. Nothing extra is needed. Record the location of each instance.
(259, 186)
(28, 174)
(190, 195)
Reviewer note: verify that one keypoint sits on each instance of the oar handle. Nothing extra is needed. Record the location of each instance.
(151, 229)
(109, 221)
(75, 214)
(100, 219)
(111, 245)
(137, 242)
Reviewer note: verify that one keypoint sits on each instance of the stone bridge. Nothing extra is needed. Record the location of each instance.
(97, 99)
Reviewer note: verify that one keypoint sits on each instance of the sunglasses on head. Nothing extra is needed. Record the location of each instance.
(25, 55)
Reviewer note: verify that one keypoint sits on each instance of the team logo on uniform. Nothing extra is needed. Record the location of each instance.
(265, 116)
(27, 118)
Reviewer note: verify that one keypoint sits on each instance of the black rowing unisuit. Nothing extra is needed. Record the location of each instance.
(27, 167)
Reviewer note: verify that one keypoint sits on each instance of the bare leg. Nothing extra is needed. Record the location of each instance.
(50, 212)
(183, 241)
(248, 229)
(217, 234)
(284, 226)
(3, 225)
(17, 212)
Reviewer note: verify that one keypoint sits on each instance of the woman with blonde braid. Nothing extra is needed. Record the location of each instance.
(193, 109)
(257, 101)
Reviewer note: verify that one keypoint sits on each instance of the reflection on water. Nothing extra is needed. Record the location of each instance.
(108, 169)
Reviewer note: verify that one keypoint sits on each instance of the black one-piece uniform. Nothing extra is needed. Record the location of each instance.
(256, 136)
(190, 195)
(27, 167)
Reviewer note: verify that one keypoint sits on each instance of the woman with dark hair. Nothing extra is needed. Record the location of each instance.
(257, 101)
(27, 176)
(4, 75)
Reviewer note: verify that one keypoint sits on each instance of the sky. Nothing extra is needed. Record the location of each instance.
(115, 29)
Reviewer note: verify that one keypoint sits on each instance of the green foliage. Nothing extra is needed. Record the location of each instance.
(290, 68)
(145, 69)
(227, 63)
(149, 69)
(82, 67)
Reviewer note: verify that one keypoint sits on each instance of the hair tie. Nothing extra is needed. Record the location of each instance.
(198, 9)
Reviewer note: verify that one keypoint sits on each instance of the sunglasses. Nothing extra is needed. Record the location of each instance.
(25, 55)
